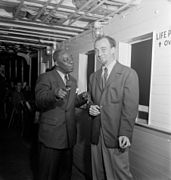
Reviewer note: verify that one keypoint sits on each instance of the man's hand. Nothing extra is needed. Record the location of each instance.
(94, 110)
(61, 93)
(124, 142)
(86, 96)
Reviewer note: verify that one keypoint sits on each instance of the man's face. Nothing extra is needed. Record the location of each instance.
(104, 51)
(65, 62)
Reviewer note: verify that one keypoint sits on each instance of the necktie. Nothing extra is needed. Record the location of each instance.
(67, 82)
(105, 75)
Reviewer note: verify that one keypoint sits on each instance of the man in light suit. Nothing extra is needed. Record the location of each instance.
(114, 90)
(56, 99)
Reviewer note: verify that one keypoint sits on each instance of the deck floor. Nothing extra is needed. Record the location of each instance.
(18, 157)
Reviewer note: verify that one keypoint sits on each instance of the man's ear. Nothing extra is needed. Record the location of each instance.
(113, 49)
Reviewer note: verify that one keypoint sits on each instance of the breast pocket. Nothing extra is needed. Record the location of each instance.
(115, 94)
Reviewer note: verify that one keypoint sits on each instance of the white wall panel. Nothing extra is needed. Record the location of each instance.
(82, 73)
(150, 155)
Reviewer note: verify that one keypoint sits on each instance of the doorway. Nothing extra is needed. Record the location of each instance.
(137, 54)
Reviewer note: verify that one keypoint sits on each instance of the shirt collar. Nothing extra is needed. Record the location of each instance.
(61, 74)
(109, 67)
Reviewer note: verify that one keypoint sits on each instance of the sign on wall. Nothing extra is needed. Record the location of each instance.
(163, 38)
(161, 79)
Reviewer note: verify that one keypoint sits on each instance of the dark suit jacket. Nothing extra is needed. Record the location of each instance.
(119, 101)
(57, 117)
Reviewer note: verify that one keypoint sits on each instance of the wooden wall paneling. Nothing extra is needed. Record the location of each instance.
(150, 155)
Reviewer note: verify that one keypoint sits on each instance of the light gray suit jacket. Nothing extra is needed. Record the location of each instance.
(119, 100)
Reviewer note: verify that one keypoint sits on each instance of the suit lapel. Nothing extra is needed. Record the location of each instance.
(99, 79)
(72, 92)
(58, 79)
(114, 73)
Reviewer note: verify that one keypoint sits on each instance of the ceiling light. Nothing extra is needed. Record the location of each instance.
(98, 28)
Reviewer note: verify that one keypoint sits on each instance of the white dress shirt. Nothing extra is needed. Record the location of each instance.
(109, 68)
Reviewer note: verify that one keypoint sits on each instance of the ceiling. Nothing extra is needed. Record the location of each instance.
(28, 25)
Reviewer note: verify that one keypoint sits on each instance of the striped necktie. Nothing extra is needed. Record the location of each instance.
(105, 75)
(67, 82)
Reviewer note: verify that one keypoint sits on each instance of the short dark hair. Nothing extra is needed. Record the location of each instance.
(111, 40)
(57, 53)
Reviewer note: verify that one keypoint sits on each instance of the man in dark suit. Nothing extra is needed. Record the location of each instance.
(114, 91)
(56, 99)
